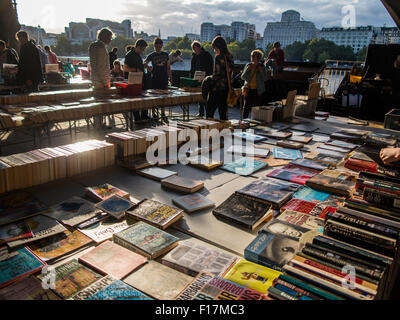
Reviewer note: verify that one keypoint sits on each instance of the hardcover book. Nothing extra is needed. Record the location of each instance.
(249, 136)
(41, 227)
(18, 206)
(110, 288)
(156, 174)
(244, 166)
(285, 229)
(301, 139)
(111, 259)
(293, 173)
(166, 283)
(299, 206)
(195, 286)
(29, 288)
(287, 154)
(204, 163)
(361, 165)
(306, 127)
(15, 231)
(271, 191)
(73, 211)
(302, 220)
(193, 202)
(134, 163)
(192, 257)
(156, 213)
(271, 250)
(324, 158)
(332, 185)
(252, 275)
(242, 211)
(59, 245)
(146, 240)
(311, 195)
(115, 206)
(105, 191)
(104, 230)
(272, 162)
(248, 151)
(72, 277)
(17, 265)
(182, 184)
(310, 164)
(278, 134)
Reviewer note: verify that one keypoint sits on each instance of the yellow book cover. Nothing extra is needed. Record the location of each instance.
(252, 275)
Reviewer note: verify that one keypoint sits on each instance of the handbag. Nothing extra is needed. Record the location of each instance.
(232, 98)
(245, 89)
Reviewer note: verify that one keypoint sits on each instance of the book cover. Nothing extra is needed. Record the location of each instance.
(104, 230)
(272, 162)
(192, 257)
(155, 213)
(110, 288)
(272, 191)
(311, 195)
(41, 227)
(73, 211)
(29, 288)
(324, 158)
(249, 136)
(72, 277)
(182, 184)
(146, 239)
(243, 211)
(157, 174)
(301, 139)
(284, 228)
(299, 206)
(271, 249)
(293, 173)
(166, 283)
(248, 151)
(244, 166)
(111, 259)
(204, 163)
(58, 245)
(306, 127)
(115, 206)
(19, 205)
(17, 264)
(382, 199)
(306, 163)
(332, 185)
(278, 134)
(193, 202)
(195, 286)
(15, 231)
(105, 191)
(286, 154)
(252, 275)
(302, 220)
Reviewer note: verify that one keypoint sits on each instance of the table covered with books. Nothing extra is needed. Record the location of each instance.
(278, 220)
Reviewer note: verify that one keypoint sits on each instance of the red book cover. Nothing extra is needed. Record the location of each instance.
(299, 206)
(361, 165)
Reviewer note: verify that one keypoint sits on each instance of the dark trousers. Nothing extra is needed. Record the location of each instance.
(217, 100)
(252, 100)
(202, 108)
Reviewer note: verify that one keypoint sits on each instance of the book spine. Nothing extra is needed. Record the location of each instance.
(280, 295)
(180, 268)
(298, 290)
(382, 199)
(337, 260)
(129, 246)
(310, 288)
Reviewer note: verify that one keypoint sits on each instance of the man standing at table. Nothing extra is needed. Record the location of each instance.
(100, 60)
(29, 67)
(201, 61)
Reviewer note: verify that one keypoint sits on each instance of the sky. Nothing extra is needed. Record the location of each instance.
(177, 17)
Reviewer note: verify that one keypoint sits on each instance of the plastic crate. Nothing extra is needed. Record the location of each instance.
(189, 82)
(392, 119)
(126, 89)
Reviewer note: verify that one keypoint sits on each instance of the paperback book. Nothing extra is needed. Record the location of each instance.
(293, 173)
(105, 191)
(333, 185)
(115, 206)
(195, 286)
(104, 230)
(156, 174)
(244, 166)
(193, 202)
(286, 154)
(311, 195)
(15, 231)
(181, 184)
(302, 220)
(29, 288)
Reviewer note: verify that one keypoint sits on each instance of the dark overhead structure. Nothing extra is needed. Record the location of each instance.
(393, 7)
(9, 24)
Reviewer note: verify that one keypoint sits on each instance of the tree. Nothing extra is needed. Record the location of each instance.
(362, 54)
(63, 46)
(295, 51)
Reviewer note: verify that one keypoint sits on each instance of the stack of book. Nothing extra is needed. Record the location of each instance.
(41, 166)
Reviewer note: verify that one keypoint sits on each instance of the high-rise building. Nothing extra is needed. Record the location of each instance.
(388, 35)
(79, 32)
(357, 38)
(193, 36)
(207, 32)
(239, 31)
(290, 29)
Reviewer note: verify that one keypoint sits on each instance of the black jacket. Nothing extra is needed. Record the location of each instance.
(29, 66)
(202, 62)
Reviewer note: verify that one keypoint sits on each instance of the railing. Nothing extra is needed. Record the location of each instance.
(333, 74)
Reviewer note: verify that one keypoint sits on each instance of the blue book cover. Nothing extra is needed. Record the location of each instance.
(17, 264)
(244, 166)
(249, 136)
(271, 250)
(119, 290)
(115, 205)
(287, 154)
(311, 195)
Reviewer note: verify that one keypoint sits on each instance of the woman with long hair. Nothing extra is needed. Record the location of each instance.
(223, 66)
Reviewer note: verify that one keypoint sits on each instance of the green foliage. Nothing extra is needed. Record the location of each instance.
(63, 46)
(362, 54)
(295, 51)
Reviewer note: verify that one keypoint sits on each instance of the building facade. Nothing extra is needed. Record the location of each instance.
(290, 29)
(357, 38)
(239, 31)
(79, 32)
(388, 35)
(193, 36)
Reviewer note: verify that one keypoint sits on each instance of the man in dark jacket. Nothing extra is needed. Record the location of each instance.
(201, 61)
(29, 68)
(7, 55)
